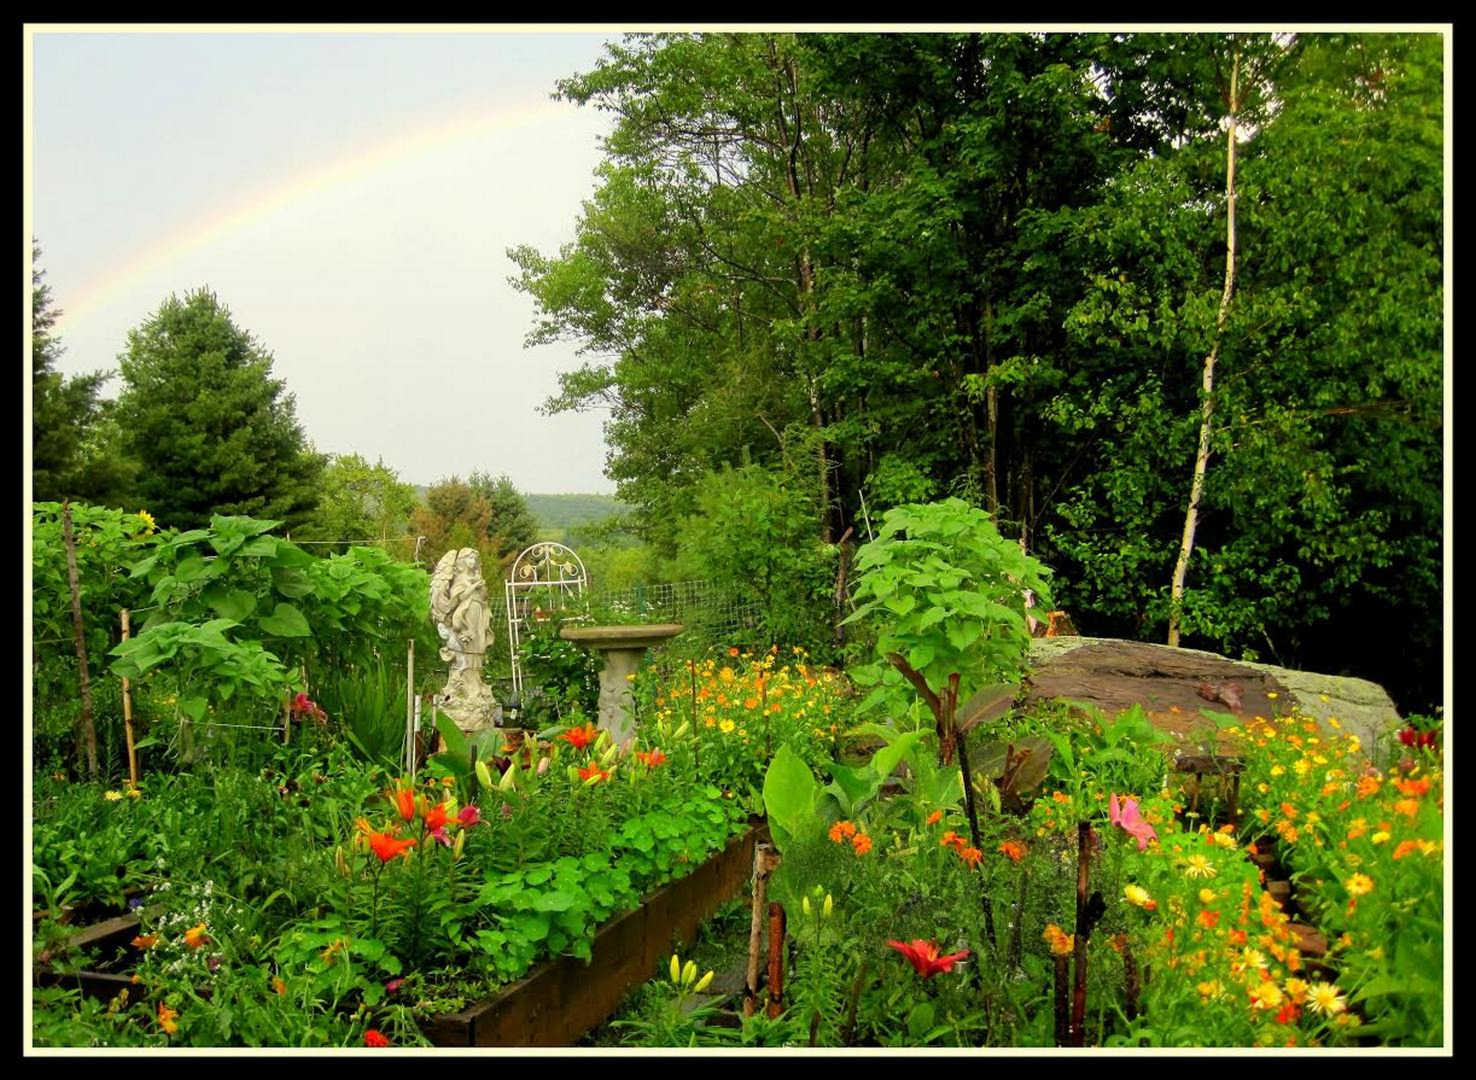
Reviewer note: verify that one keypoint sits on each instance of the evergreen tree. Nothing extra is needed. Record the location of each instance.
(212, 429)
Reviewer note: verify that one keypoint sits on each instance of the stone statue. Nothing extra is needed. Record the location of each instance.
(458, 604)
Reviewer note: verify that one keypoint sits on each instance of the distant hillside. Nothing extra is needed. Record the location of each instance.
(555, 513)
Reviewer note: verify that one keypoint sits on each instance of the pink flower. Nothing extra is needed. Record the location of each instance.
(469, 815)
(393, 985)
(1126, 817)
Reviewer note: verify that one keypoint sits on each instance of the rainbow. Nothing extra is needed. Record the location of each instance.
(470, 120)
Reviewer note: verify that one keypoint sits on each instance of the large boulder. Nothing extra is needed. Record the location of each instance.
(1174, 685)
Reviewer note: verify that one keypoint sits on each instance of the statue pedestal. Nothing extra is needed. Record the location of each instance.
(621, 648)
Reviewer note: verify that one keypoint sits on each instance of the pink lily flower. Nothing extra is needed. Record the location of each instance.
(1125, 815)
(469, 815)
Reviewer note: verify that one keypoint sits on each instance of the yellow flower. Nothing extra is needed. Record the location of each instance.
(1198, 866)
(1206, 896)
(1324, 999)
(726, 726)
(1267, 995)
(1210, 989)
(113, 796)
(1137, 896)
(1296, 989)
(1380, 837)
(195, 936)
(1277, 770)
(1359, 885)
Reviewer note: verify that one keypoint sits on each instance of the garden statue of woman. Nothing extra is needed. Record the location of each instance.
(458, 604)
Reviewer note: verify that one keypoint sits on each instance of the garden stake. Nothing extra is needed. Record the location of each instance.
(88, 734)
(696, 739)
(776, 960)
(1016, 946)
(128, 719)
(1083, 928)
(968, 784)
(1130, 979)
(764, 861)
(410, 754)
(1063, 994)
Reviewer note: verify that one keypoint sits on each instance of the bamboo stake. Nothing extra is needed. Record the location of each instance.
(776, 960)
(410, 707)
(128, 719)
(764, 861)
(88, 732)
(287, 722)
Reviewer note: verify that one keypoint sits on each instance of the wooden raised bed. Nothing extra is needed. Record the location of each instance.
(561, 999)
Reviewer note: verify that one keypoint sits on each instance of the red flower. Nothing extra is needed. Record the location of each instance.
(581, 737)
(403, 797)
(1013, 851)
(652, 759)
(469, 815)
(435, 816)
(374, 1038)
(387, 845)
(393, 985)
(925, 958)
(594, 771)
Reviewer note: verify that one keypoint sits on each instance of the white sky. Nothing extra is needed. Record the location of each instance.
(350, 198)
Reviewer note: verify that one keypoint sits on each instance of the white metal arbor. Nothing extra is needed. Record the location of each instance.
(544, 578)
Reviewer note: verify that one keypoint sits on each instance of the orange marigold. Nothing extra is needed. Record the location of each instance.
(841, 831)
(861, 843)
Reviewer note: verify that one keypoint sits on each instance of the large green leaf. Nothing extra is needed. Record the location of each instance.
(285, 621)
(790, 795)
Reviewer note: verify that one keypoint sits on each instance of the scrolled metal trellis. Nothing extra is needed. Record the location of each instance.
(544, 578)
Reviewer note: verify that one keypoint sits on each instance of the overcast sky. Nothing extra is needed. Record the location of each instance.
(350, 197)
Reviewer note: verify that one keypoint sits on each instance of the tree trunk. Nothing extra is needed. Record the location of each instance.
(1201, 459)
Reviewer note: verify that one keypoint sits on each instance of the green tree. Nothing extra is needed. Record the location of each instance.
(482, 513)
(64, 410)
(214, 432)
(360, 501)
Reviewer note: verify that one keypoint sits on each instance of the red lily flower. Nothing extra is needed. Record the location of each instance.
(588, 771)
(925, 958)
(581, 737)
(403, 797)
(469, 815)
(651, 759)
(435, 816)
(374, 1038)
(388, 845)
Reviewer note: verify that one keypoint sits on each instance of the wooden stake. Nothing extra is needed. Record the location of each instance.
(287, 721)
(776, 960)
(88, 732)
(764, 860)
(1083, 874)
(1063, 998)
(128, 719)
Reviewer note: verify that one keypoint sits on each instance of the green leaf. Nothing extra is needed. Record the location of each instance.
(790, 793)
(193, 707)
(229, 603)
(285, 621)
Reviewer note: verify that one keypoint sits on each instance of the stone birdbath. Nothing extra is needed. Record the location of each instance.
(621, 648)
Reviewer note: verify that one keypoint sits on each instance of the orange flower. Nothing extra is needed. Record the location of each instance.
(971, 855)
(387, 845)
(593, 772)
(926, 958)
(1367, 785)
(279, 986)
(1060, 797)
(842, 831)
(435, 817)
(953, 840)
(375, 1038)
(1013, 851)
(403, 797)
(1413, 788)
(733, 650)
(1407, 807)
(1208, 919)
(145, 941)
(861, 843)
(1405, 847)
(1061, 943)
(935, 817)
(651, 759)
(581, 737)
(167, 1017)
(195, 936)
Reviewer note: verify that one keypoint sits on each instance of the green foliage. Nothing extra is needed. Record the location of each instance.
(753, 535)
(359, 501)
(482, 513)
(213, 431)
(946, 593)
(564, 676)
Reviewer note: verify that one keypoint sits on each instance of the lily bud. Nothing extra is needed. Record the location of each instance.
(805, 903)
(682, 730)
(340, 862)
(676, 969)
(610, 754)
(602, 740)
(484, 775)
(702, 983)
(829, 909)
(573, 774)
(459, 845)
(689, 972)
(509, 778)
(543, 765)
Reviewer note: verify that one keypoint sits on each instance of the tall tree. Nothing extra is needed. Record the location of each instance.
(63, 410)
(360, 501)
(214, 432)
(482, 513)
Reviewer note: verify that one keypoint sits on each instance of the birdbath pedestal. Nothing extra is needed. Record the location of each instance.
(621, 647)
